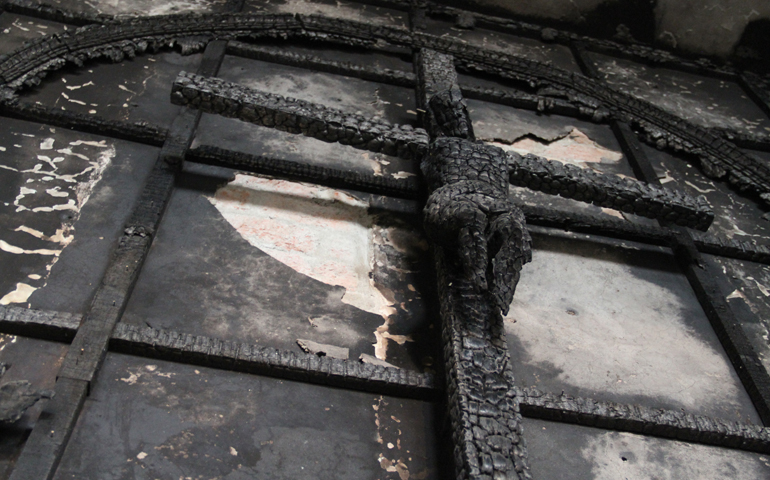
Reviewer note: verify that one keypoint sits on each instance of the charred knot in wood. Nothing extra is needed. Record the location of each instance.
(469, 214)
(450, 115)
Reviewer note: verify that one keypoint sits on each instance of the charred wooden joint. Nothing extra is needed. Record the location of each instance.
(469, 214)
(449, 115)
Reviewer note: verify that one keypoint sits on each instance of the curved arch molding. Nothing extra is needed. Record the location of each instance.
(117, 40)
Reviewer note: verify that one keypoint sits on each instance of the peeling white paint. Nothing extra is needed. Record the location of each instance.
(575, 148)
(77, 186)
(47, 144)
(320, 232)
(19, 295)
(6, 247)
(76, 87)
(60, 236)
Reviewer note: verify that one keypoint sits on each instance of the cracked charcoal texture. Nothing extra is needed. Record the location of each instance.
(201, 350)
(649, 421)
(480, 243)
(609, 191)
(212, 95)
(118, 39)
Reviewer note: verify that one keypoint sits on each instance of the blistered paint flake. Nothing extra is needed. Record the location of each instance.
(49, 182)
(330, 236)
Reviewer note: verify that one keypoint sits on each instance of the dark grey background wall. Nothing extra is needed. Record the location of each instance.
(724, 28)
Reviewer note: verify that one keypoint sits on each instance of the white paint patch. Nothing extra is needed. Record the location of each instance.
(47, 144)
(606, 329)
(319, 232)
(653, 458)
(7, 247)
(576, 148)
(57, 186)
(19, 295)
(736, 294)
(75, 87)
(56, 192)
(701, 190)
(101, 143)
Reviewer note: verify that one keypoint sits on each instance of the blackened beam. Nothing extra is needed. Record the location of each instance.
(674, 424)
(43, 450)
(535, 215)
(154, 135)
(212, 95)
(282, 56)
(751, 141)
(205, 351)
(502, 96)
(609, 191)
(320, 175)
(118, 39)
(140, 132)
(511, 97)
(220, 354)
(622, 229)
(468, 190)
(296, 116)
(701, 273)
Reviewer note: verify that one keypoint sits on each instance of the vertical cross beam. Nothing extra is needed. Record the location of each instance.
(476, 264)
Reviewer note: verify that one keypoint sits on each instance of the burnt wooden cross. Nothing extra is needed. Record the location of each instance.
(479, 237)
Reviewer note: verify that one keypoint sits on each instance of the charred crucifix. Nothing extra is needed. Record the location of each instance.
(479, 237)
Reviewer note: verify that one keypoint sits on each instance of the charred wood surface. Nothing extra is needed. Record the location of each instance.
(290, 115)
(609, 191)
(480, 243)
